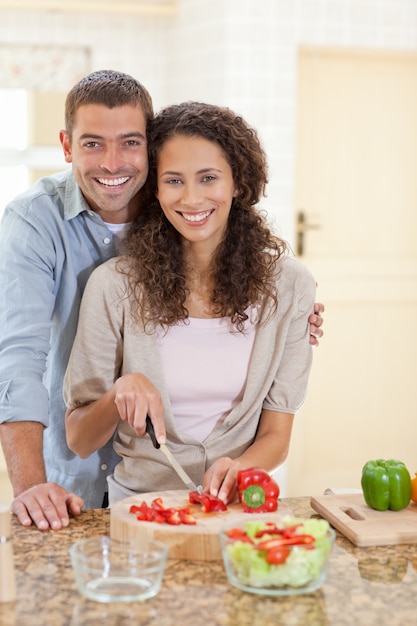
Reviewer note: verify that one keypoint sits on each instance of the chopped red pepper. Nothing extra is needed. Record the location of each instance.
(258, 492)
(239, 535)
(186, 517)
(158, 504)
(295, 540)
(208, 503)
(277, 547)
(272, 529)
(157, 512)
(146, 513)
(173, 517)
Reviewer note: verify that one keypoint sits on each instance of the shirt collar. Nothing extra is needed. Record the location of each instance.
(74, 201)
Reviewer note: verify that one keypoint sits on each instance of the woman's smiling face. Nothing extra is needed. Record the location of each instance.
(195, 188)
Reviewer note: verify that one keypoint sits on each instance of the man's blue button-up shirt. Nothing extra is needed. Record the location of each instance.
(50, 242)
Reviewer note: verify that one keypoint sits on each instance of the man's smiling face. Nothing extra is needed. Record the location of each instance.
(109, 158)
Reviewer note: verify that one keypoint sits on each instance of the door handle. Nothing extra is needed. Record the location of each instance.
(302, 226)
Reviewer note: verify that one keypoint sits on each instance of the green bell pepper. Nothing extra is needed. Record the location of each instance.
(386, 485)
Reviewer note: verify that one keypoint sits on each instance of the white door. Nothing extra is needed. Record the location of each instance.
(356, 185)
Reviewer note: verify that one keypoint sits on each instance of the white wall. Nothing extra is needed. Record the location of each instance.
(241, 53)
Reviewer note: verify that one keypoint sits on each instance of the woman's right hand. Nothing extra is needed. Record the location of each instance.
(136, 397)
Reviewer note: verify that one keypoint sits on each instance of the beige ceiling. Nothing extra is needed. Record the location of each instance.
(120, 7)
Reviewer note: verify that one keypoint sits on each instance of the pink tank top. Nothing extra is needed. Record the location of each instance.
(205, 364)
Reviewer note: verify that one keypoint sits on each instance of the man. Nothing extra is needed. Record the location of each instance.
(51, 238)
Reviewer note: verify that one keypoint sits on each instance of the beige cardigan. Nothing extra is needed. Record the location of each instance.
(108, 345)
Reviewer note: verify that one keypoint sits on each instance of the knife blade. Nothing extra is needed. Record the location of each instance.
(173, 461)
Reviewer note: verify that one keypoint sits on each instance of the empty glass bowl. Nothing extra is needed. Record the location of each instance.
(107, 570)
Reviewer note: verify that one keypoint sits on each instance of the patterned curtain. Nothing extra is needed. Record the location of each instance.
(43, 68)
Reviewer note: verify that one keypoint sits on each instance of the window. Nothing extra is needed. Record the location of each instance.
(29, 139)
(13, 143)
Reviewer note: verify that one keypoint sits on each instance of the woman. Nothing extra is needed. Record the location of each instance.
(203, 325)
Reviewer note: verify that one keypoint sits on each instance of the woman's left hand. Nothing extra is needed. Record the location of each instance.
(220, 480)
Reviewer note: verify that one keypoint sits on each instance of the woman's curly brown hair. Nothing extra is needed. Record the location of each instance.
(245, 261)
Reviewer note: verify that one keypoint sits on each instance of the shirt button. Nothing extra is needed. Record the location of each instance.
(106, 240)
(104, 467)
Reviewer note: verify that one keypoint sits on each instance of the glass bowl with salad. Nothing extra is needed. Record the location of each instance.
(277, 556)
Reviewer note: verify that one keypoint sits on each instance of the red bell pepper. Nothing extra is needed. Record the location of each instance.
(208, 503)
(258, 492)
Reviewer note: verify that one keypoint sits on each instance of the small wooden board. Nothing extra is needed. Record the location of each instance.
(199, 542)
(364, 526)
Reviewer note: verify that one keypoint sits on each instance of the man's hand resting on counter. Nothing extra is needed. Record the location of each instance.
(35, 500)
(47, 505)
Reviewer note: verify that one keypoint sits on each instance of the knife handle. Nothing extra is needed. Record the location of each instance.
(151, 432)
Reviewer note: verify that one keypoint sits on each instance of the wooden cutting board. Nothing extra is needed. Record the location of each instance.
(199, 542)
(364, 526)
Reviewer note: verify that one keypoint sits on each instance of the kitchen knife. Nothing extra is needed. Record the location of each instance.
(174, 463)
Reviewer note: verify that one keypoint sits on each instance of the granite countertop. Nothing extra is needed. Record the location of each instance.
(364, 586)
